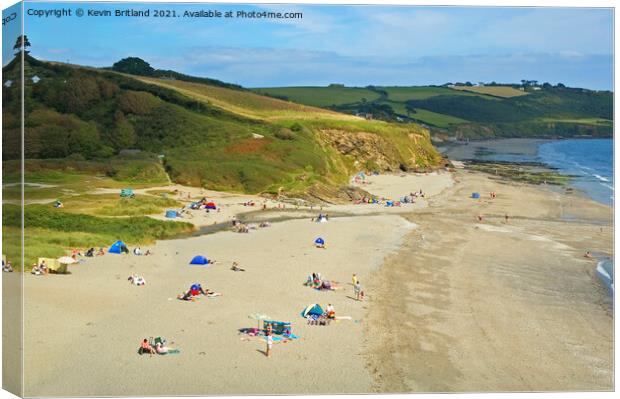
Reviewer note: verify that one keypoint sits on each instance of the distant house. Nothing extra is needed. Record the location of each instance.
(536, 88)
(8, 83)
(35, 79)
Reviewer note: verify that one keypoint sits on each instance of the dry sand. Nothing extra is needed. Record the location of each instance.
(455, 305)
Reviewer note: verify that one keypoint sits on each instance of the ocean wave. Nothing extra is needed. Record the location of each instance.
(601, 178)
(608, 186)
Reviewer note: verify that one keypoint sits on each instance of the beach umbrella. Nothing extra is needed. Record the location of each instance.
(66, 260)
(258, 317)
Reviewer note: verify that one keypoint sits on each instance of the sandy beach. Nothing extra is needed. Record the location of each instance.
(452, 304)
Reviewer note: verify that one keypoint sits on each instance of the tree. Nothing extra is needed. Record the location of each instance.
(133, 66)
(124, 134)
(21, 44)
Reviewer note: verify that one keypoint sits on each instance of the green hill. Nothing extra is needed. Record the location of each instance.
(471, 111)
(217, 136)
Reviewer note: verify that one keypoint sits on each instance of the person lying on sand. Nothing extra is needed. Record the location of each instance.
(145, 347)
(162, 349)
(235, 267)
(186, 296)
(101, 252)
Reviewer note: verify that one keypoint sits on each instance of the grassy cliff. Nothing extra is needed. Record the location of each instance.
(213, 135)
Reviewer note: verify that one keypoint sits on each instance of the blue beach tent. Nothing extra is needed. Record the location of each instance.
(199, 260)
(475, 195)
(118, 247)
(312, 310)
(171, 214)
(319, 241)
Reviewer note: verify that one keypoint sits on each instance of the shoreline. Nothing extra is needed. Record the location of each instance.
(525, 152)
(443, 332)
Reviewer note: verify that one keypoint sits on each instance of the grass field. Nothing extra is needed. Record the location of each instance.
(403, 94)
(322, 96)
(51, 232)
(435, 119)
(582, 121)
(497, 91)
(244, 103)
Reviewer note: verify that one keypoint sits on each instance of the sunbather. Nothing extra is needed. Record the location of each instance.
(90, 253)
(145, 347)
(235, 267)
(161, 349)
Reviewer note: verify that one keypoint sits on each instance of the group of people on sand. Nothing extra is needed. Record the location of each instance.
(321, 218)
(316, 281)
(159, 348)
(40, 269)
(240, 227)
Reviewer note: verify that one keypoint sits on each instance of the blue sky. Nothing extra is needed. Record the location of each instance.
(354, 45)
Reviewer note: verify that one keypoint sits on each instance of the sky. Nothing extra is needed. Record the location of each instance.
(352, 45)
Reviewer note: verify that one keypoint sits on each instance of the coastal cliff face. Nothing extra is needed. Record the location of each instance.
(407, 149)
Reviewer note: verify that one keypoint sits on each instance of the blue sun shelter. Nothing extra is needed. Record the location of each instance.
(171, 214)
(475, 195)
(319, 242)
(313, 309)
(199, 260)
(118, 247)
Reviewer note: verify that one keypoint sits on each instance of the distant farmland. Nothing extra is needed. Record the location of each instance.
(498, 91)
(321, 96)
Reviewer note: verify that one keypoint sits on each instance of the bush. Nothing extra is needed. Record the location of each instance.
(285, 134)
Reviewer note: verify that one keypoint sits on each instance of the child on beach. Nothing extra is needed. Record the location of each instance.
(269, 339)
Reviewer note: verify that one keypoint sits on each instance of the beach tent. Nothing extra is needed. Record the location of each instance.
(118, 247)
(171, 214)
(319, 241)
(475, 195)
(199, 260)
(313, 309)
(211, 205)
(127, 192)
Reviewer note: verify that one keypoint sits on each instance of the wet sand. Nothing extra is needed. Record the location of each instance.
(494, 306)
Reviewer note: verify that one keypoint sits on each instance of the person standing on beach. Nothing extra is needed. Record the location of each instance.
(269, 339)
(357, 289)
(354, 279)
(506, 216)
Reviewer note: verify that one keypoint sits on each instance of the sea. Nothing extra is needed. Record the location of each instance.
(590, 161)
